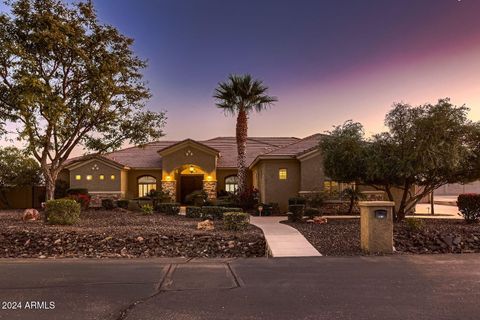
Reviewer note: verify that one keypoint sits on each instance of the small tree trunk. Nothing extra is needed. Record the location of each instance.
(242, 134)
(50, 176)
(432, 204)
(352, 202)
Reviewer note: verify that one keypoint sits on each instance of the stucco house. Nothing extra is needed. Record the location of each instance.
(279, 167)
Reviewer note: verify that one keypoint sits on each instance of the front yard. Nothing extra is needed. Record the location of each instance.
(122, 233)
(342, 236)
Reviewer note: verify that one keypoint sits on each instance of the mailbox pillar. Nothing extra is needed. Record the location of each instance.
(376, 226)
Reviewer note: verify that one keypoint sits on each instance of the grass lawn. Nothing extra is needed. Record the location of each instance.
(342, 236)
(121, 233)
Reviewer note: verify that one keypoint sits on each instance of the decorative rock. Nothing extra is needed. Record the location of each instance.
(57, 241)
(320, 220)
(206, 225)
(31, 215)
(310, 221)
(231, 244)
(457, 240)
(42, 257)
(140, 239)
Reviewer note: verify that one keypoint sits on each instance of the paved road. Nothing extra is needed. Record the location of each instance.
(395, 287)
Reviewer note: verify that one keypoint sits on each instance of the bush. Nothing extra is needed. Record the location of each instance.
(134, 206)
(82, 199)
(297, 200)
(216, 212)
(311, 212)
(171, 209)
(196, 198)
(469, 205)
(193, 212)
(295, 212)
(414, 224)
(235, 220)
(123, 203)
(147, 209)
(62, 211)
(314, 200)
(108, 204)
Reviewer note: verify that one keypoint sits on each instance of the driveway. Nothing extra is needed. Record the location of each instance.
(391, 287)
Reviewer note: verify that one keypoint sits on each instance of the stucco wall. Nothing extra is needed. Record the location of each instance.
(312, 173)
(222, 174)
(96, 184)
(206, 161)
(132, 181)
(275, 190)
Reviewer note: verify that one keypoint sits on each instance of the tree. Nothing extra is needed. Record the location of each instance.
(426, 147)
(241, 95)
(16, 169)
(68, 81)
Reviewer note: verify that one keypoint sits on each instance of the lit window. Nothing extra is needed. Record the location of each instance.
(145, 185)
(112, 177)
(89, 177)
(101, 177)
(78, 177)
(282, 174)
(231, 184)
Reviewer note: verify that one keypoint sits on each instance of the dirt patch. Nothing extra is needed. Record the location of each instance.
(118, 233)
(341, 237)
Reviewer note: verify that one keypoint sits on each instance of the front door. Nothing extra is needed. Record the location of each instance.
(188, 184)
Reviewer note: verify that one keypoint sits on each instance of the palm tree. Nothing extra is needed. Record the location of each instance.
(240, 95)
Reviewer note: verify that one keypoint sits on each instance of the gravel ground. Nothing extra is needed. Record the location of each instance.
(341, 237)
(120, 233)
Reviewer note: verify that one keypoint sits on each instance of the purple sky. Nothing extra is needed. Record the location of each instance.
(326, 61)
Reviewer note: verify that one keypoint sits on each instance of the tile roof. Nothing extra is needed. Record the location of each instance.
(147, 156)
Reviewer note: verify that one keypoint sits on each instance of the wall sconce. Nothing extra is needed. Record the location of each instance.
(168, 178)
(209, 178)
(192, 169)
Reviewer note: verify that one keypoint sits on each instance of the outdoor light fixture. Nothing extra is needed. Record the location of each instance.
(168, 178)
(192, 169)
(209, 178)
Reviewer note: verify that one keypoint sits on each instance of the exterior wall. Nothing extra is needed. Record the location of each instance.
(96, 184)
(222, 174)
(455, 189)
(132, 180)
(172, 161)
(312, 174)
(275, 190)
(64, 175)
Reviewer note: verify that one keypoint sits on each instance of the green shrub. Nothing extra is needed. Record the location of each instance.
(213, 212)
(235, 220)
(134, 206)
(193, 212)
(414, 224)
(82, 199)
(297, 200)
(108, 204)
(147, 209)
(171, 209)
(295, 212)
(62, 211)
(315, 200)
(196, 198)
(311, 212)
(469, 205)
(123, 203)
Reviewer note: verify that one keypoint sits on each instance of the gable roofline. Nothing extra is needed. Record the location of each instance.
(90, 158)
(174, 147)
(270, 157)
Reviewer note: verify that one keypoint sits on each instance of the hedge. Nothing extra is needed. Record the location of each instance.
(193, 212)
(171, 209)
(235, 220)
(295, 212)
(62, 211)
(469, 205)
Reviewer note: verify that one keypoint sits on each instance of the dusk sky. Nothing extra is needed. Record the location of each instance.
(326, 61)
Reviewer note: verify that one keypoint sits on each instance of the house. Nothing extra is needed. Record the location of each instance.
(279, 167)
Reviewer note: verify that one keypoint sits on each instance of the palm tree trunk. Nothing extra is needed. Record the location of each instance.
(242, 135)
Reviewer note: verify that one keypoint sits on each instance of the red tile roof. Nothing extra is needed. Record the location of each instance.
(147, 156)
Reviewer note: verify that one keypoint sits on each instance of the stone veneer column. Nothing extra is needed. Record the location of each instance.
(170, 188)
(210, 187)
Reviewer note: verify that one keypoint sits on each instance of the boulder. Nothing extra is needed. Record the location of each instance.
(31, 215)
(320, 220)
(206, 225)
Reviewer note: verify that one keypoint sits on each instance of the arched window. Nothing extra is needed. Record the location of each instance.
(231, 184)
(146, 184)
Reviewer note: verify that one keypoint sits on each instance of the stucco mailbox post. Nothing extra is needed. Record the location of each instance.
(376, 226)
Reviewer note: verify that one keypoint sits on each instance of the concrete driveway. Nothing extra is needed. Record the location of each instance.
(391, 287)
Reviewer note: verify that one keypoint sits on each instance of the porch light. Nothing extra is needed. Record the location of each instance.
(168, 178)
(209, 178)
(192, 169)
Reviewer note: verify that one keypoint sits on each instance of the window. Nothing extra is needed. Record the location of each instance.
(89, 177)
(101, 177)
(231, 184)
(145, 185)
(78, 177)
(282, 174)
(112, 177)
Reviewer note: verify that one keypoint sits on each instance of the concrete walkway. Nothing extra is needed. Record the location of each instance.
(283, 240)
